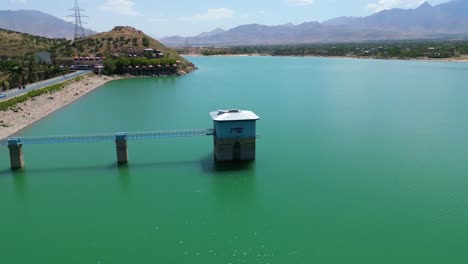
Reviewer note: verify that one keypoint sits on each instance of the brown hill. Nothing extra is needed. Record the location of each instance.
(124, 41)
(15, 44)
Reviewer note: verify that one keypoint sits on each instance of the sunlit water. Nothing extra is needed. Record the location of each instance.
(359, 161)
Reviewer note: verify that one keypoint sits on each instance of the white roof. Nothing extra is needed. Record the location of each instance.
(233, 115)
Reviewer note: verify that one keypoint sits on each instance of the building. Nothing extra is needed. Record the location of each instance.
(86, 63)
(43, 57)
(98, 69)
(234, 134)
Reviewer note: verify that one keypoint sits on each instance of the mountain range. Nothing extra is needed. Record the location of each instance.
(37, 23)
(444, 21)
(447, 21)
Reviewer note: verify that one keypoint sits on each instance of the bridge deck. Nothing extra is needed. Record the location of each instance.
(110, 136)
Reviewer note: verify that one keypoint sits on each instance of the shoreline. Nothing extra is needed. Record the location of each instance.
(23, 115)
(463, 59)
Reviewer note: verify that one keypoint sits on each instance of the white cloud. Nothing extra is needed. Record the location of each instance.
(122, 7)
(18, 1)
(300, 2)
(389, 4)
(210, 15)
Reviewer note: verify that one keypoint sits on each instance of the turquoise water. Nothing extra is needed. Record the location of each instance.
(359, 161)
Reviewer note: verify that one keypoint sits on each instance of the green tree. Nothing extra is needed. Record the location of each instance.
(110, 67)
(121, 65)
(145, 42)
(15, 75)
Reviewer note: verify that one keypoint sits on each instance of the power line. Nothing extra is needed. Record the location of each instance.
(79, 30)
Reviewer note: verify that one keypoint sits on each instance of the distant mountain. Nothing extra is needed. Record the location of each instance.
(37, 23)
(448, 20)
(340, 21)
(184, 40)
(424, 21)
(212, 33)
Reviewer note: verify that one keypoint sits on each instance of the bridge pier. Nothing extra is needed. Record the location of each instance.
(16, 153)
(121, 147)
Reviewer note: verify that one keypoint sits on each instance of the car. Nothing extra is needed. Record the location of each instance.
(2, 95)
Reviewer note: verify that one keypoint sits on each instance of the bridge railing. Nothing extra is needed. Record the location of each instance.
(108, 137)
(170, 134)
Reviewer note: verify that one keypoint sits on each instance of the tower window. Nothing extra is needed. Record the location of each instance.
(237, 130)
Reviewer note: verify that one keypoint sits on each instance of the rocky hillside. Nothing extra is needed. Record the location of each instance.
(123, 41)
(123, 47)
(19, 45)
(17, 62)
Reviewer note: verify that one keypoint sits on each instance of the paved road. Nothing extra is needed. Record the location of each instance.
(15, 92)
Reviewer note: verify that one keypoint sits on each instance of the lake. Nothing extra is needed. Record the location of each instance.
(358, 161)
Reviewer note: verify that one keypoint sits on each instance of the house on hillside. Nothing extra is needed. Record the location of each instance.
(43, 57)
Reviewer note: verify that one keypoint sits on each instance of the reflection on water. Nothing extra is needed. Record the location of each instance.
(123, 172)
(233, 183)
(209, 165)
(21, 184)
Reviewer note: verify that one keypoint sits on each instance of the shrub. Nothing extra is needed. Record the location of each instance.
(145, 41)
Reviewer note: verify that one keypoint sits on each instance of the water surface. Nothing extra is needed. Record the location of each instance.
(359, 161)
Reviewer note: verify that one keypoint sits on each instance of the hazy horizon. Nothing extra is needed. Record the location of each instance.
(188, 19)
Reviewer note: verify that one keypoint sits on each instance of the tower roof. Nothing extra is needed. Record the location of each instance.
(233, 115)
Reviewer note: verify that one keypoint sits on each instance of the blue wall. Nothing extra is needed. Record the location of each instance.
(235, 129)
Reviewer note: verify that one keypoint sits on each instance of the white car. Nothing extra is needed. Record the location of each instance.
(2, 95)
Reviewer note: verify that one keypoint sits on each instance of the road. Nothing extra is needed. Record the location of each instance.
(16, 92)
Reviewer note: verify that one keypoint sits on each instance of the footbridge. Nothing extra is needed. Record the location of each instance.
(234, 134)
(15, 144)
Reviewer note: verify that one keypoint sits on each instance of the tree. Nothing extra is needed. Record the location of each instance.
(145, 42)
(110, 67)
(15, 75)
(4, 85)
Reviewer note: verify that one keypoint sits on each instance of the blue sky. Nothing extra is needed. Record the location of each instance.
(180, 17)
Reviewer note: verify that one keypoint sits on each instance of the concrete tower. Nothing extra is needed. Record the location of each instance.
(234, 134)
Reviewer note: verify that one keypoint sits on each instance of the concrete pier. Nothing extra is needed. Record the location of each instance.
(228, 149)
(16, 153)
(121, 147)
